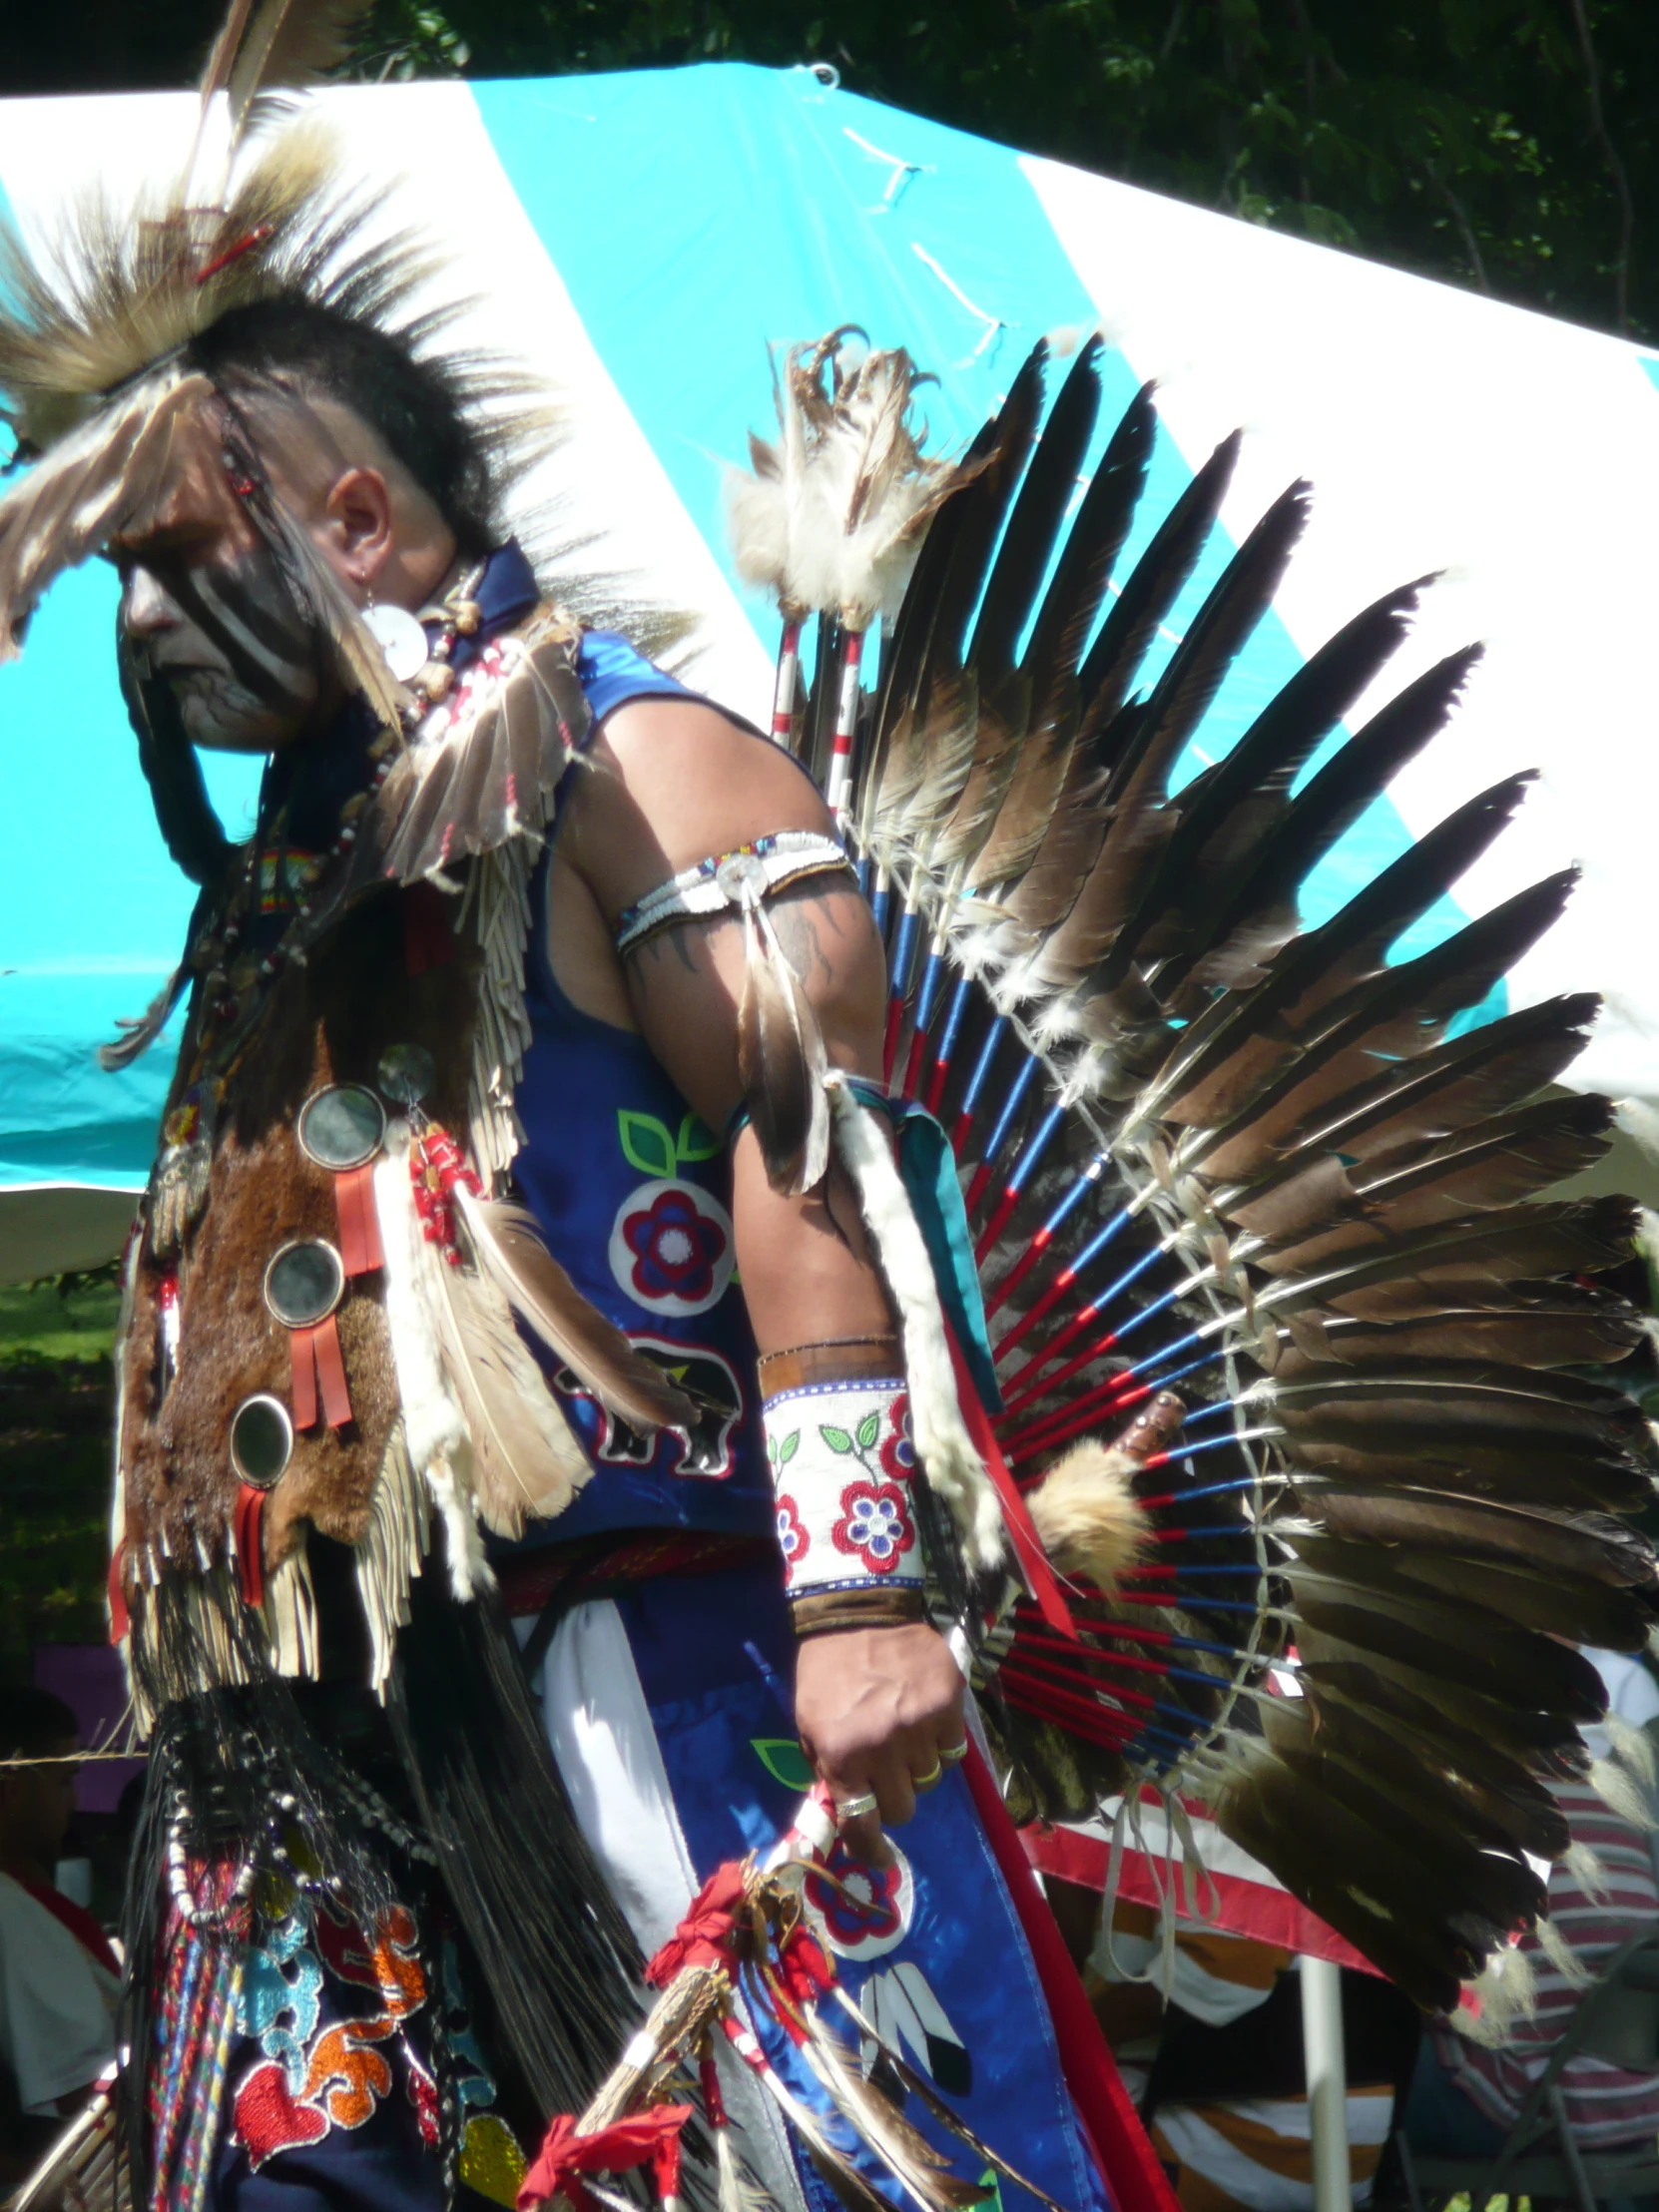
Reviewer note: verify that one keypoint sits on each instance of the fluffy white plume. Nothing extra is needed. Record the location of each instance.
(829, 518)
(1085, 1513)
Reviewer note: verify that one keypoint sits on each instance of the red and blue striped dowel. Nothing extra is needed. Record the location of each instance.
(1013, 1099)
(947, 1043)
(1044, 1236)
(899, 985)
(847, 727)
(1028, 1157)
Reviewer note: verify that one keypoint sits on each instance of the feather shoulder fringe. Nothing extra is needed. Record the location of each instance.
(780, 1060)
(389, 1555)
(482, 1426)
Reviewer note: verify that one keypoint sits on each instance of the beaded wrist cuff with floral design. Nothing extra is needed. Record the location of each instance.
(841, 1463)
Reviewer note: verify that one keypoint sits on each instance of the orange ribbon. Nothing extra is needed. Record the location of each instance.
(359, 1224)
(319, 1366)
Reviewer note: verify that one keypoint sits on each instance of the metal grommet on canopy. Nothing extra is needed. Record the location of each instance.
(262, 1440)
(341, 1127)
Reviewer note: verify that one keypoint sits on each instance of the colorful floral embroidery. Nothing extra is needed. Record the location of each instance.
(874, 1526)
(793, 1539)
(310, 2077)
(860, 1911)
(672, 1247)
(898, 1450)
(316, 2070)
(835, 1532)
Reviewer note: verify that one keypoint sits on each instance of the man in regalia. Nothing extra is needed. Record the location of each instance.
(558, 1500)
(462, 1040)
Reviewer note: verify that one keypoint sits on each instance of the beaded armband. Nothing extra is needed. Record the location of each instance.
(724, 878)
(842, 1463)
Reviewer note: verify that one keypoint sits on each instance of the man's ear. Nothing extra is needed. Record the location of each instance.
(356, 525)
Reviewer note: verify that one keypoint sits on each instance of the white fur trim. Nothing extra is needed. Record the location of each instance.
(434, 1430)
(949, 1458)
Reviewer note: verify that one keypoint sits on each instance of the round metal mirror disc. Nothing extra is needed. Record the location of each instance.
(262, 1440)
(400, 637)
(303, 1283)
(343, 1127)
(407, 1074)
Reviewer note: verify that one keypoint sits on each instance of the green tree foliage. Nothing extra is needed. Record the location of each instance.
(1510, 145)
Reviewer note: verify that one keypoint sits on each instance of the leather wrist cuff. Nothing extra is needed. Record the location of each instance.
(820, 1612)
(838, 1359)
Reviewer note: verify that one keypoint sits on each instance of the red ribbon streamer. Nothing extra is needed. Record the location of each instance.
(804, 1970)
(1122, 2147)
(359, 1223)
(707, 1936)
(119, 1622)
(319, 1365)
(248, 1522)
(565, 2155)
(1040, 1578)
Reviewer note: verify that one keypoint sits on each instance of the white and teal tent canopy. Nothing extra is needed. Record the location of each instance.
(643, 239)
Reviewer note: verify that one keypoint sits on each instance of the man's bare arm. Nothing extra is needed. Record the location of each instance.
(666, 785)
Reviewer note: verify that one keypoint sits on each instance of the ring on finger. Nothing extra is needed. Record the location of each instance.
(855, 1808)
(952, 1753)
(919, 1782)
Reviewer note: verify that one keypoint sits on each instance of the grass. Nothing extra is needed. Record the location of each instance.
(72, 1320)
(56, 1403)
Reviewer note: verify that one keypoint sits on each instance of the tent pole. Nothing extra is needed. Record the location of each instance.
(1322, 2041)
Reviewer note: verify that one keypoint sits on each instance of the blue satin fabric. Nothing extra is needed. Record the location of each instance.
(715, 1655)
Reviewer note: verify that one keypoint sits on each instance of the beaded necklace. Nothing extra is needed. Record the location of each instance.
(235, 975)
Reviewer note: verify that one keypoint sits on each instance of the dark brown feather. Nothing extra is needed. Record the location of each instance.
(781, 1064)
(506, 1240)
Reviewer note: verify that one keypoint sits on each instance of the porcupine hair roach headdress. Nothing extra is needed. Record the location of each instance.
(258, 283)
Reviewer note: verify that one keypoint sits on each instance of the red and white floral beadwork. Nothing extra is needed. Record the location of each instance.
(842, 1460)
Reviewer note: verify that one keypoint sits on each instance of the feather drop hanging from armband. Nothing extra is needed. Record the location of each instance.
(780, 1057)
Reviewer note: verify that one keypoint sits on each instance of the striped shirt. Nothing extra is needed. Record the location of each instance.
(1605, 2105)
(1235, 2153)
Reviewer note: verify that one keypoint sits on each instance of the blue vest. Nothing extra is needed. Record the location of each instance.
(633, 1192)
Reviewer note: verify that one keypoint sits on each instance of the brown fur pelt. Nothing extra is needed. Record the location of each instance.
(329, 1022)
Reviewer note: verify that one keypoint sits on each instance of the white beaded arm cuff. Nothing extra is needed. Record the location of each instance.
(841, 1463)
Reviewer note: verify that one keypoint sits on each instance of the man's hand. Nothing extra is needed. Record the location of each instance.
(875, 1708)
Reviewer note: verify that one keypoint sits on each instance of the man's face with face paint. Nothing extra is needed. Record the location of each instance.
(205, 609)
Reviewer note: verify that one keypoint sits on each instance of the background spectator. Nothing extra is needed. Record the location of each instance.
(1464, 2097)
(59, 1978)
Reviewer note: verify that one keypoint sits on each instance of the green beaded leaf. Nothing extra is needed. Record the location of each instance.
(697, 1140)
(788, 1448)
(868, 1430)
(647, 1142)
(837, 1438)
(784, 1759)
